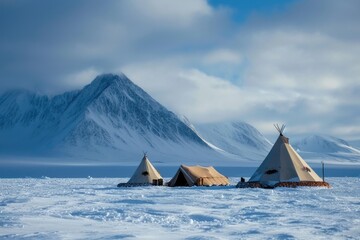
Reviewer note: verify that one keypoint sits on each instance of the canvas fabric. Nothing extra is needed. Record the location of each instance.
(145, 173)
(200, 176)
(284, 164)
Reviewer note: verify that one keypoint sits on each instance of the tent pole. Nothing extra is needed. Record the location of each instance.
(323, 171)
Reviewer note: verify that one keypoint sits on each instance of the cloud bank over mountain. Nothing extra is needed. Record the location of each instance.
(297, 63)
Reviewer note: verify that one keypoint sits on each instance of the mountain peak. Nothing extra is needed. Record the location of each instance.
(323, 144)
(105, 80)
(112, 117)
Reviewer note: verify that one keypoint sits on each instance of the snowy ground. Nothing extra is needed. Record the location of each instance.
(97, 209)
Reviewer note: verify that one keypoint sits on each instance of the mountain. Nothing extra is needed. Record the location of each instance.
(238, 138)
(355, 143)
(110, 118)
(326, 147)
(324, 144)
(113, 120)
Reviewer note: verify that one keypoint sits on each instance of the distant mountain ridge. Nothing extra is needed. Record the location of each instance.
(110, 118)
(114, 120)
(355, 143)
(324, 144)
(237, 138)
(326, 147)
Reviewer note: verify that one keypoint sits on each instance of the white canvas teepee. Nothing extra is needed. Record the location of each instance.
(146, 174)
(284, 165)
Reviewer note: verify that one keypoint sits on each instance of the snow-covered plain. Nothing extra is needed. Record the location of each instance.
(95, 208)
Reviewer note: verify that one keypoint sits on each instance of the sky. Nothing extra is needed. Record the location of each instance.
(295, 62)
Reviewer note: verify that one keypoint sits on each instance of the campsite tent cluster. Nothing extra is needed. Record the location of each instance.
(146, 174)
(282, 167)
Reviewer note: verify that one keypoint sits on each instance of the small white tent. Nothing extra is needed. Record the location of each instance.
(283, 166)
(145, 174)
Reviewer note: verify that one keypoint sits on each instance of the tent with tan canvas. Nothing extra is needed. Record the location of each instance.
(283, 167)
(145, 174)
(199, 176)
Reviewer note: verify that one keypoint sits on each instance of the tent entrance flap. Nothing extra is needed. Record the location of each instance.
(181, 180)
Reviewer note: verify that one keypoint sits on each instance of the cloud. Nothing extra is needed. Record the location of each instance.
(314, 58)
(81, 78)
(297, 60)
(166, 13)
(204, 97)
(298, 65)
(222, 56)
(187, 91)
(46, 42)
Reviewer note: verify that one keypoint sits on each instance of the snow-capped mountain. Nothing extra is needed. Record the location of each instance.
(238, 138)
(323, 144)
(355, 143)
(326, 147)
(113, 119)
(110, 115)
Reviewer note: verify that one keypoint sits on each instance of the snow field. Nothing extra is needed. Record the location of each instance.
(97, 209)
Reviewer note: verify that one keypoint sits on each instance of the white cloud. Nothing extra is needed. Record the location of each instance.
(203, 97)
(300, 60)
(165, 12)
(299, 65)
(188, 91)
(351, 132)
(222, 56)
(290, 71)
(81, 78)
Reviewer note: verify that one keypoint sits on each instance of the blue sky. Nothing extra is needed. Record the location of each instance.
(263, 62)
(241, 10)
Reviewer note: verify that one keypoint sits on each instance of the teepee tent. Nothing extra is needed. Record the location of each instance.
(283, 166)
(145, 174)
(199, 176)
